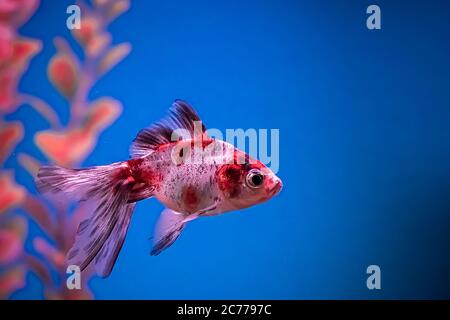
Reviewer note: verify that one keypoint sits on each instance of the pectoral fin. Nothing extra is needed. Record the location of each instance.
(170, 225)
(168, 229)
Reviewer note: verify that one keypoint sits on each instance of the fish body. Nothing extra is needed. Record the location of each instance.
(215, 182)
(191, 174)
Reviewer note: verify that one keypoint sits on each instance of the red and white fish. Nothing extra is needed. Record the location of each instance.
(225, 179)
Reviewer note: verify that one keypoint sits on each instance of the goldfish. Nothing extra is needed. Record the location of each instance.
(175, 161)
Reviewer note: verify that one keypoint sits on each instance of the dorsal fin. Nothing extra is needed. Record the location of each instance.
(181, 116)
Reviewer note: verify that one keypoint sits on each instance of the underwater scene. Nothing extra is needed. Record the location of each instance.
(251, 149)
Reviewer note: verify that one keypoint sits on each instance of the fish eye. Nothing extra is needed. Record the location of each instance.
(254, 178)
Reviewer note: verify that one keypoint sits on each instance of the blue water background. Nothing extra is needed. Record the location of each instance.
(364, 144)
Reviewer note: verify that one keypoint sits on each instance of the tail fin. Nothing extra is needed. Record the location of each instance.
(101, 236)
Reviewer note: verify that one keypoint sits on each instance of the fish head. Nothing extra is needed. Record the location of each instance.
(248, 183)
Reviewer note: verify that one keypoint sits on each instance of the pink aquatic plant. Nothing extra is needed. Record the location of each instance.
(15, 50)
(64, 144)
(15, 53)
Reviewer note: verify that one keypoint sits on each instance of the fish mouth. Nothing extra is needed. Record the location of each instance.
(276, 189)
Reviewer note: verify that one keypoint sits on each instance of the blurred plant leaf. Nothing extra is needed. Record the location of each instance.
(11, 247)
(13, 232)
(8, 87)
(12, 236)
(16, 13)
(98, 44)
(116, 9)
(29, 163)
(113, 57)
(102, 113)
(89, 28)
(11, 280)
(15, 55)
(91, 36)
(18, 225)
(42, 108)
(11, 194)
(66, 148)
(63, 47)
(63, 73)
(53, 255)
(10, 135)
(38, 268)
(39, 213)
(23, 50)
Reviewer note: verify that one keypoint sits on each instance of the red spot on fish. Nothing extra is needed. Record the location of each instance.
(229, 179)
(190, 198)
(122, 174)
(134, 164)
(142, 173)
